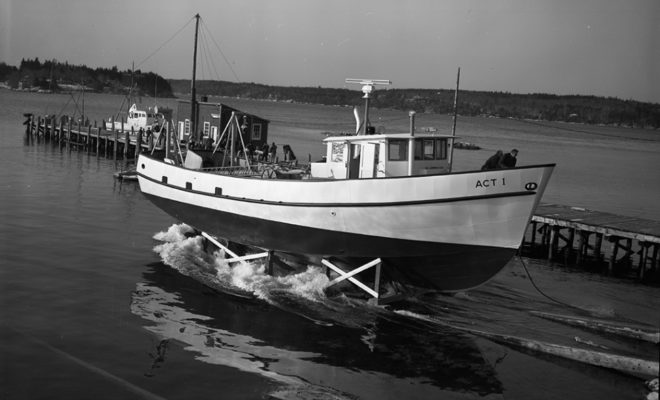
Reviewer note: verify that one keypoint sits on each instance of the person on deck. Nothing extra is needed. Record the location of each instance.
(273, 152)
(288, 153)
(509, 159)
(494, 161)
(250, 151)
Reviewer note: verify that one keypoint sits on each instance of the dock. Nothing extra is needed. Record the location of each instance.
(124, 144)
(597, 241)
(574, 237)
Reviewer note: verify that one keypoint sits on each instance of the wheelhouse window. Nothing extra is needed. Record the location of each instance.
(418, 149)
(337, 152)
(186, 128)
(207, 128)
(424, 149)
(397, 150)
(429, 149)
(440, 149)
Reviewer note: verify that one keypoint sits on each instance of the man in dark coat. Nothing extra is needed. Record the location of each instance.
(509, 159)
(494, 161)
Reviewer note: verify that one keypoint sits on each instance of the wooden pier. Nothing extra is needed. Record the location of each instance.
(593, 240)
(93, 138)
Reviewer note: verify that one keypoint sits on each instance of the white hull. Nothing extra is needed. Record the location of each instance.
(454, 231)
(455, 208)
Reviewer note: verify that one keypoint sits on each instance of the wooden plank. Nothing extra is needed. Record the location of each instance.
(598, 222)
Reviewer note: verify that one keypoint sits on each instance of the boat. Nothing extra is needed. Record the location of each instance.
(151, 119)
(126, 175)
(138, 120)
(390, 199)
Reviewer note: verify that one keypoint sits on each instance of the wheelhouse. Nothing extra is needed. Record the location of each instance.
(381, 156)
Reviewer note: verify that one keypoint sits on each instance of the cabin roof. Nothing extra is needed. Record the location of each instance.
(223, 105)
(379, 137)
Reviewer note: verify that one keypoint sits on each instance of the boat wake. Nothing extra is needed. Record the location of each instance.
(186, 254)
(301, 294)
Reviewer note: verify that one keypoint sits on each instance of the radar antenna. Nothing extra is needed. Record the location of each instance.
(367, 88)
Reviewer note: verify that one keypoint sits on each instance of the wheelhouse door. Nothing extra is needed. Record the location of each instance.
(369, 163)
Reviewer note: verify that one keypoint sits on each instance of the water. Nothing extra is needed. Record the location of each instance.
(100, 293)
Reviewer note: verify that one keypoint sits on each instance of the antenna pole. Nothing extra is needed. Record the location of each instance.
(193, 94)
(366, 114)
(453, 128)
(367, 88)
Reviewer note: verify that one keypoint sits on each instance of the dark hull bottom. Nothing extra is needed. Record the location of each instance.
(438, 266)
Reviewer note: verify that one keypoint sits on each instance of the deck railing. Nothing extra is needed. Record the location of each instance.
(238, 170)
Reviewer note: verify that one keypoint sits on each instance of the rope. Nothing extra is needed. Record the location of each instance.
(220, 51)
(207, 60)
(164, 44)
(541, 292)
(59, 114)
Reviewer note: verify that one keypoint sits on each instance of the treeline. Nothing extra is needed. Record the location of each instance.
(55, 76)
(537, 106)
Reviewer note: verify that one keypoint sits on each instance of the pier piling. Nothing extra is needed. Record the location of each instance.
(622, 246)
(87, 137)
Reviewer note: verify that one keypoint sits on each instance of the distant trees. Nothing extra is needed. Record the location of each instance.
(54, 75)
(6, 71)
(537, 106)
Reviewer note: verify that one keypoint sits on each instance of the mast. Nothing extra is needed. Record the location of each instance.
(193, 100)
(453, 128)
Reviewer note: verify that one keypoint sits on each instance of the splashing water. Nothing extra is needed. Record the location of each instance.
(301, 293)
(185, 253)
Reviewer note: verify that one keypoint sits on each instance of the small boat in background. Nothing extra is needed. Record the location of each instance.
(126, 175)
(136, 120)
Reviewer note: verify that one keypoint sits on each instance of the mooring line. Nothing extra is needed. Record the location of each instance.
(590, 312)
(545, 295)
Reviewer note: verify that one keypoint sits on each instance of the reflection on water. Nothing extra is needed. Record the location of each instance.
(385, 352)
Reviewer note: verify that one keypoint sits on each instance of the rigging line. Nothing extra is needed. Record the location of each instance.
(63, 108)
(206, 53)
(212, 65)
(166, 42)
(201, 60)
(221, 53)
(208, 60)
(75, 102)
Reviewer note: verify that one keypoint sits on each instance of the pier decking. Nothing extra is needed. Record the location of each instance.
(94, 138)
(609, 243)
(615, 244)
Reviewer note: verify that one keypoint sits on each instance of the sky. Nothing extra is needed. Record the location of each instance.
(605, 48)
